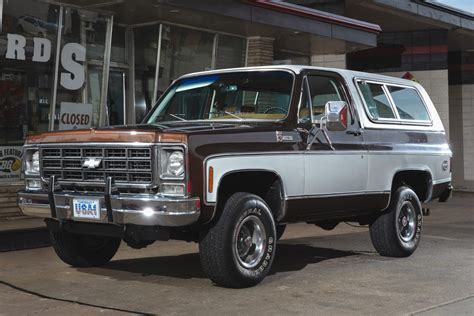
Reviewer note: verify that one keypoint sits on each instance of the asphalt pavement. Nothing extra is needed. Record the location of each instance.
(315, 273)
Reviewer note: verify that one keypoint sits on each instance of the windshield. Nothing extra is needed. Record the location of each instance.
(252, 95)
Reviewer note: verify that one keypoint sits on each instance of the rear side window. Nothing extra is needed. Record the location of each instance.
(378, 105)
(408, 103)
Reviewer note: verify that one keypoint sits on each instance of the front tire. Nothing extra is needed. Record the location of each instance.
(397, 232)
(84, 250)
(238, 250)
(280, 230)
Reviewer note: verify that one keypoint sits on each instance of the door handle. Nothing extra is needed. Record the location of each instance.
(354, 132)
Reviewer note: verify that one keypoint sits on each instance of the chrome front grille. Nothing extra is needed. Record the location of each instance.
(126, 165)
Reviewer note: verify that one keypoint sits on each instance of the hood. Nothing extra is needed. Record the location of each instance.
(109, 135)
(169, 132)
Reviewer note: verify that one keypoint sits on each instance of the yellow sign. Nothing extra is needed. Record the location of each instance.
(10, 163)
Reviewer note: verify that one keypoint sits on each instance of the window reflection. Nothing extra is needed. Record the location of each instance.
(25, 85)
(230, 51)
(146, 47)
(89, 30)
(183, 51)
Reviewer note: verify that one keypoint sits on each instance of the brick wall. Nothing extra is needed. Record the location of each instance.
(332, 61)
(260, 51)
(461, 99)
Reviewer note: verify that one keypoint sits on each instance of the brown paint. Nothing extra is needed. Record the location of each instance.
(107, 135)
(335, 207)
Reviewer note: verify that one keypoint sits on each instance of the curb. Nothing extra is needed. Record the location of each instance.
(16, 239)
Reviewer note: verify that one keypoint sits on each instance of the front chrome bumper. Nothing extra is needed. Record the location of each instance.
(138, 209)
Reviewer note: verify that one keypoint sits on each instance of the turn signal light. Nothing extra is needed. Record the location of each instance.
(210, 180)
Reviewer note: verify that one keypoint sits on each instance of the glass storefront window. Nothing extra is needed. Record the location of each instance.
(27, 82)
(116, 97)
(231, 51)
(119, 47)
(146, 48)
(82, 29)
(27, 57)
(183, 51)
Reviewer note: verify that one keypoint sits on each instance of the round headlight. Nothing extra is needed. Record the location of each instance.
(176, 163)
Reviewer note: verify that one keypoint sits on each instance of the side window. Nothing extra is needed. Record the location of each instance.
(324, 89)
(377, 102)
(408, 103)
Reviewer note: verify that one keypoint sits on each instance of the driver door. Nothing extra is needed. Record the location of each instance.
(337, 174)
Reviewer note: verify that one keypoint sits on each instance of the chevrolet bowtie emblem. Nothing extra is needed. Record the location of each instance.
(91, 163)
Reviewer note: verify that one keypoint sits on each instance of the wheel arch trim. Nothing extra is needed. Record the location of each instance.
(218, 179)
(429, 183)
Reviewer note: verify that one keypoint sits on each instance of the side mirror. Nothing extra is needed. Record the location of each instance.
(336, 116)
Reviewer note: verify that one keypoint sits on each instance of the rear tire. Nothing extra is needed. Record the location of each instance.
(238, 250)
(84, 250)
(397, 232)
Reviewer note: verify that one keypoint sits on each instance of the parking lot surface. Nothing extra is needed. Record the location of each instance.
(315, 272)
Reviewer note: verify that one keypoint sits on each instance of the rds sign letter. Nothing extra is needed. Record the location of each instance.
(72, 55)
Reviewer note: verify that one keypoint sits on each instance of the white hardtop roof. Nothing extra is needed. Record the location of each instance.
(297, 69)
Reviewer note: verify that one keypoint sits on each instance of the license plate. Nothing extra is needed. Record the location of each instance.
(86, 208)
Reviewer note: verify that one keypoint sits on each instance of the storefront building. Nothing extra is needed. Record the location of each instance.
(83, 64)
(88, 63)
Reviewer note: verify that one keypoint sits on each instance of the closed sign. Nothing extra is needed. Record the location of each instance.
(75, 116)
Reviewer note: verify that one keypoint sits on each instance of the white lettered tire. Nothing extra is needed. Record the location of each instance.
(397, 232)
(238, 250)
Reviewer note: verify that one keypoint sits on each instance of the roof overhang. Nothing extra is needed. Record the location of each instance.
(294, 27)
(408, 15)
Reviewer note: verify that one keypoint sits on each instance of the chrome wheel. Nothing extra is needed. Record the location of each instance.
(249, 241)
(406, 222)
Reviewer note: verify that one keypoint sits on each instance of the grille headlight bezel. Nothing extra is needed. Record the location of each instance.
(173, 164)
(32, 162)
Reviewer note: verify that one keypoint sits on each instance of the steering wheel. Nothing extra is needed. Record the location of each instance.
(275, 108)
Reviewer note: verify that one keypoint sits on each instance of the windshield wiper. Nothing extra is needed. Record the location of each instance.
(232, 114)
(177, 117)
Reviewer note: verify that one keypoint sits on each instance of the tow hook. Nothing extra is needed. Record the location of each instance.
(425, 211)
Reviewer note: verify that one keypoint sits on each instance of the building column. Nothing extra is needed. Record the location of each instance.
(461, 117)
(259, 51)
(329, 60)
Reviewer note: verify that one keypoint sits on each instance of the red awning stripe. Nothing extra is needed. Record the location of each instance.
(461, 67)
(434, 49)
(315, 14)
